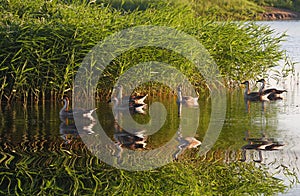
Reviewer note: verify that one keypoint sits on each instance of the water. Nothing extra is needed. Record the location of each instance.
(38, 128)
(289, 111)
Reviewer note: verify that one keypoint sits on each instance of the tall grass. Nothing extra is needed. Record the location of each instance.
(43, 43)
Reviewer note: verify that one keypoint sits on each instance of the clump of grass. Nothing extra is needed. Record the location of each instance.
(45, 42)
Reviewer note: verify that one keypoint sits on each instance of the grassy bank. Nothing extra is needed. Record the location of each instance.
(287, 4)
(45, 42)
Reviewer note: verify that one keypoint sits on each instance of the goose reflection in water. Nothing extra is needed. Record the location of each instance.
(134, 140)
(131, 141)
(258, 145)
(69, 131)
(248, 106)
(184, 142)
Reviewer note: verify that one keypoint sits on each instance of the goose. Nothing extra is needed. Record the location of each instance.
(133, 107)
(270, 94)
(67, 112)
(186, 100)
(251, 96)
(136, 99)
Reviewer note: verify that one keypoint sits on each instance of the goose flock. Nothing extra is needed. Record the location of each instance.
(136, 105)
(263, 94)
(263, 143)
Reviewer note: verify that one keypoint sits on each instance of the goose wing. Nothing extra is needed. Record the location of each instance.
(273, 90)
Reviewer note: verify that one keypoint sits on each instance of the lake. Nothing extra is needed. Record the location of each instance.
(288, 113)
(35, 136)
(285, 123)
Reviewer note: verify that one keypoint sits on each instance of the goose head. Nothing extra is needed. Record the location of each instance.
(66, 101)
(245, 82)
(261, 80)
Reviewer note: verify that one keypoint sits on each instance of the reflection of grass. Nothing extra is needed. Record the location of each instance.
(71, 170)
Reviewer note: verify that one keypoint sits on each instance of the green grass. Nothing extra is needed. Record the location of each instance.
(216, 9)
(45, 42)
(287, 4)
(228, 9)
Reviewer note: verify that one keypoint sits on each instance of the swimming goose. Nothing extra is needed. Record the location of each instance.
(270, 94)
(251, 96)
(133, 107)
(67, 112)
(132, 99)
(186, 100)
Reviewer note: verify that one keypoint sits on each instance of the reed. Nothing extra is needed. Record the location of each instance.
(45, 42)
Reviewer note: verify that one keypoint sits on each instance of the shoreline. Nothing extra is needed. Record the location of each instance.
(273, 13)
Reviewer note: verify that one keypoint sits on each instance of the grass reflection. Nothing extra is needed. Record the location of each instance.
(56, 168)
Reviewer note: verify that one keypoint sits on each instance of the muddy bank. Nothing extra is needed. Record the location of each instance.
(272, 13)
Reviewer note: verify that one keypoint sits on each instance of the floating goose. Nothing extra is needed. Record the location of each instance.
(132, 99)
(251, 96)
(67, 112)
(186, 100)
(133, 108)
(270, 94)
